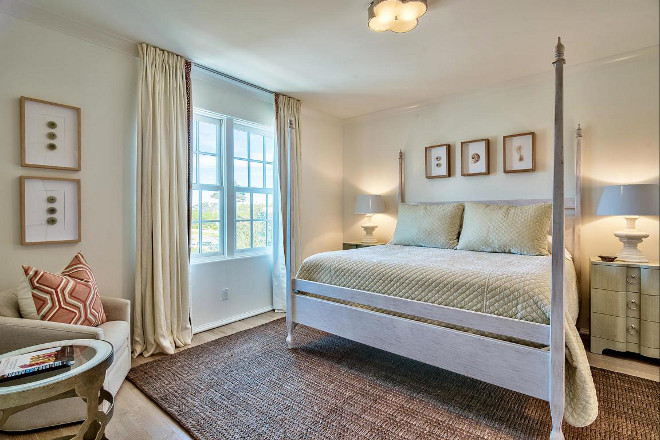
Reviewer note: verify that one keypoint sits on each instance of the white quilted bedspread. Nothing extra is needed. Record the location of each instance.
(513, 286)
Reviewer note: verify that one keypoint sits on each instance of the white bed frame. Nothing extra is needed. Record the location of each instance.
(535, 372)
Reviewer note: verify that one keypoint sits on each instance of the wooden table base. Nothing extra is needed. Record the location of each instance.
(93, 428)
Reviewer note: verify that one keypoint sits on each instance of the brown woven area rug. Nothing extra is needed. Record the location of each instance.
(250, 386)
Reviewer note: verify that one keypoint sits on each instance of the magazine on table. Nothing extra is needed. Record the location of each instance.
(35, 362)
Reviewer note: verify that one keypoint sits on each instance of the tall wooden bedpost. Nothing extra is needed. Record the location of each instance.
(557, 355)
(577, 225)
(289, 245)
(402, 178)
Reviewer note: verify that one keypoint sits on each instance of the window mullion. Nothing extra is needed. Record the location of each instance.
(219, 138)
(230, 197)
(200, 245)
(251, 219)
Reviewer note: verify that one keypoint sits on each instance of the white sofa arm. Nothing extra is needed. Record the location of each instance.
(18, 333)
(116, 309)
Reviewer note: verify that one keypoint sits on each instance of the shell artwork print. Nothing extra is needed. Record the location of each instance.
(476, 157)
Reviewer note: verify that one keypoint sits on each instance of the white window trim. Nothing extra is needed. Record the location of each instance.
(228, 216)
(219, 186)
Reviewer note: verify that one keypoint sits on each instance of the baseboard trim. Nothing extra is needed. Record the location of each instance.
(230, 319)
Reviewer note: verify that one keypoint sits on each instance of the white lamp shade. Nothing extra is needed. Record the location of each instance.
(400, 26)
(369, 204)
(639, 199)
(411, 9)
(379, 23)
(387, 8)
(395, 15)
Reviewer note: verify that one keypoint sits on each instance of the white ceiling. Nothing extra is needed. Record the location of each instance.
(322, 52)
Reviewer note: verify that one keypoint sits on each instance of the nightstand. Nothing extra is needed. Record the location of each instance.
(625, 307)
(359, 244)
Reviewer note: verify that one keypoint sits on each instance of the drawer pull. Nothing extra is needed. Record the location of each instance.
(632, 304)
(633, 330)
(631, 279)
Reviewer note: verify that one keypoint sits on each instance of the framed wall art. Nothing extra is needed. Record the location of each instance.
(50, 210)
(519, 152)
(475, 159)
(50, 135)
(437, 161)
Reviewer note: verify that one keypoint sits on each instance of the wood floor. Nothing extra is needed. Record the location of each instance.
(137, 417)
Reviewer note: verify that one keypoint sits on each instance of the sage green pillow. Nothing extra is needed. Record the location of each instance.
(505, 228)
(428, 225)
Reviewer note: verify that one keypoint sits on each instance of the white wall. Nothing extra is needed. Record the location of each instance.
(616, 102)
(322, 191)
(40, 63)
(248, 280)
(211, 92)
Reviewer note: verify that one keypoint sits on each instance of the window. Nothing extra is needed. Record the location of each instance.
(233, 177)
(206, 233)
(253, 183)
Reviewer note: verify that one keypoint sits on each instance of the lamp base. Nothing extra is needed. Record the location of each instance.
(631, 237)
(369, 229)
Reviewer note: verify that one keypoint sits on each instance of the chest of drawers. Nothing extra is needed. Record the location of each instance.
(625, 307)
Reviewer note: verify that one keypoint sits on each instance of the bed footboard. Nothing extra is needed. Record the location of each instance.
(509, 365)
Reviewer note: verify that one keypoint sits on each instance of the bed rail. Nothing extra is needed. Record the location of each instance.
(514, 328)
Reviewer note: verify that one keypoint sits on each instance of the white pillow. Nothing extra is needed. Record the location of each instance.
(567, 254)
(428, 225)
(506, 228)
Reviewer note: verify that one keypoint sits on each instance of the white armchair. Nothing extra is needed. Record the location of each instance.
(16, 332)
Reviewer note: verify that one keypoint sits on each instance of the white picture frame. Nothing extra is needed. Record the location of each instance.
(475, 157)
(50, 210)
(519, 152)
(437, 161)
(50, 135)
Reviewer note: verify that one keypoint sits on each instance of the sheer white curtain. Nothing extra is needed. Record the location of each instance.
(286, 109)
(162, 296)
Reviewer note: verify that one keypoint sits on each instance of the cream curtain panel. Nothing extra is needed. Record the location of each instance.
(162, 296)
(287, 109)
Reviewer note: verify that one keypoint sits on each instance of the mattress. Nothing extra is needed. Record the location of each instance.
(508, 285)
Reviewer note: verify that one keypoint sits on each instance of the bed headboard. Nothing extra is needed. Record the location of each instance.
(572, 207)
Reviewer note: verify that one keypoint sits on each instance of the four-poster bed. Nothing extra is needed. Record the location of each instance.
(495, 354)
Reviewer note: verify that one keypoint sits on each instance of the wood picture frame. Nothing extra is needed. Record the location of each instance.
(437, 161)
(50, 135)
(520, 158)
(473, 152)
(37, 206)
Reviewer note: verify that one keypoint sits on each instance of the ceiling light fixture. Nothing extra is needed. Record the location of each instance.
(395, 15)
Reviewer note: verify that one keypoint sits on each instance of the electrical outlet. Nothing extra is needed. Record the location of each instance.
(225, 294)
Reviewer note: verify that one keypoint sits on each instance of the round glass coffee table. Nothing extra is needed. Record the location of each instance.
(83, 379)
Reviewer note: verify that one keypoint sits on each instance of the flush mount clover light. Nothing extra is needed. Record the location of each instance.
(395, 15)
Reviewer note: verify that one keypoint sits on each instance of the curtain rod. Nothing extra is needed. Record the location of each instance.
(233, 78)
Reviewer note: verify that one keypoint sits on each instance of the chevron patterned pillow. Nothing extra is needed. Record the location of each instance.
(70, 297)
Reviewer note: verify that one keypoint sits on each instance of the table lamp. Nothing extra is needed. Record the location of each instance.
(630, 201)
(369, 204)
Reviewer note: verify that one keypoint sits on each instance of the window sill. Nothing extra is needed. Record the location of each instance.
(238, 256)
